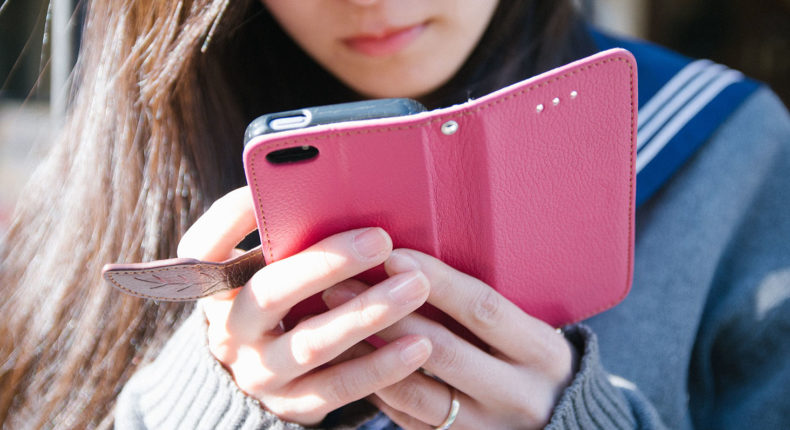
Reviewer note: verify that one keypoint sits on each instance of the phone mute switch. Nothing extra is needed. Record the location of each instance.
(290, 122)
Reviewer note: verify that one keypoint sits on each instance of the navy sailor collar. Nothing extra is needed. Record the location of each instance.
(681, 104)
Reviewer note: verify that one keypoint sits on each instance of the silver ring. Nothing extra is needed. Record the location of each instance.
(455, 405)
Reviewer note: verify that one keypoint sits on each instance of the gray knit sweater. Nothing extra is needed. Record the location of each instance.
(702, 341)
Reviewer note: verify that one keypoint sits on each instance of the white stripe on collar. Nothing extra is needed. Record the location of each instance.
(686, 114)
(680, 98)
(669, 89)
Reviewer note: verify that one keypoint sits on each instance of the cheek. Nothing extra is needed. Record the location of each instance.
(471, 22)
(453, 40)
(305, 21)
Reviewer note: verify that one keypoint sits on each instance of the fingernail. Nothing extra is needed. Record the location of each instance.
(416, 353)
(409, 289)
(371, 243)
(335, 297)
(400, 262)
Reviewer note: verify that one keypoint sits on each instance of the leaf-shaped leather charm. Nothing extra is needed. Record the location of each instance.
(182, 279)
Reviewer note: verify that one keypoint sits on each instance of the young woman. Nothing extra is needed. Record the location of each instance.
(154, 137)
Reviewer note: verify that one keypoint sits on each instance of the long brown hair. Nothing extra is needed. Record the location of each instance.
(153, 135)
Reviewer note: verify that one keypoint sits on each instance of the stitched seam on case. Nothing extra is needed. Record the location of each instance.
(522, 92)
(112, 279)
(266, 235)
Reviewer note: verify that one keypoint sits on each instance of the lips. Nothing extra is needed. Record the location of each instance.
(388, 42)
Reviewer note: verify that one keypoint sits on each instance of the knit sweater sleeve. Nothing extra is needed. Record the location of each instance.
(185, 387)
(597, 400)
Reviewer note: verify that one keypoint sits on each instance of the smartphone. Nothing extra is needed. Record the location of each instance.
(529, 189)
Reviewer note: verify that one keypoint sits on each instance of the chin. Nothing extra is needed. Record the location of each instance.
(395, 88)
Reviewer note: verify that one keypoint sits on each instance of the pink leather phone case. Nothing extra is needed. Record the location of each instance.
(530, 189)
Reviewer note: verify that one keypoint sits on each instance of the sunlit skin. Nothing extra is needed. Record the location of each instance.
(386, 48)
(381, 48)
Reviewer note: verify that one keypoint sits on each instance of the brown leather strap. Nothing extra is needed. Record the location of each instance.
(181, 279)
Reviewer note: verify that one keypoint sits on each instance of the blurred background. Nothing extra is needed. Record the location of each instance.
(39, 41)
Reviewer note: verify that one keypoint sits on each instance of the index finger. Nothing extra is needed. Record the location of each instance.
(275, 289)
(217, 232)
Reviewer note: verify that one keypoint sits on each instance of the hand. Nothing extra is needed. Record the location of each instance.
(514, 384)
(292, 373)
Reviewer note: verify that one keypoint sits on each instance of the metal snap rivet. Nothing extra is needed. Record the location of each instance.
(450, 127)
